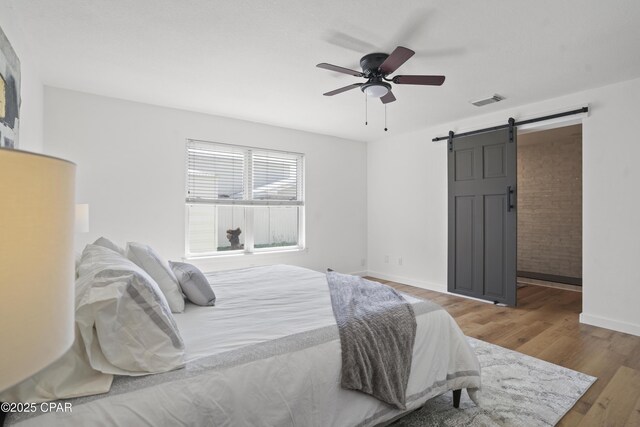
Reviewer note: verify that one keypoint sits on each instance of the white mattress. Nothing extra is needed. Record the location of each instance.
(268, 354)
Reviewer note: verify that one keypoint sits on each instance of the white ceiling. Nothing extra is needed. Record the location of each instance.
(255, 59)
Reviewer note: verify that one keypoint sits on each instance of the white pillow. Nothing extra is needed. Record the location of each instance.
(193, 283)
(96, 259)
(127, 326)
(123, 317)
(106, 243)
(149, 260)
(78, 259)
(70, 376)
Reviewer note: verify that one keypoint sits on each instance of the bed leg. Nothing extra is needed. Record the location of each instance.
(456, 398)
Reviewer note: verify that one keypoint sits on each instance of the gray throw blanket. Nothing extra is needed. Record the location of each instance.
(377, 330)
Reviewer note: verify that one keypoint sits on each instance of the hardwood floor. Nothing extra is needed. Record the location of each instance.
(545, 325)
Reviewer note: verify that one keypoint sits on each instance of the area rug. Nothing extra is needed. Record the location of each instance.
(517, 390)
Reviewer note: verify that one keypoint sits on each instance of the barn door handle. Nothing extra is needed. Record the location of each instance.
(510, 204)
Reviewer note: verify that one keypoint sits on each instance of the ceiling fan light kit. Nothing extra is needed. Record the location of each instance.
(376, 89)
(376, 67)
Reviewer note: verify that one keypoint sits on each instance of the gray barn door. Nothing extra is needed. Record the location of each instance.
(482, 216)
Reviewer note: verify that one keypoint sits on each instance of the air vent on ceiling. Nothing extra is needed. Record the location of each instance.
(490, 100)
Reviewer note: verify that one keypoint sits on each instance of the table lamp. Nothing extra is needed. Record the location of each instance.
(37, 211)
(82, 218)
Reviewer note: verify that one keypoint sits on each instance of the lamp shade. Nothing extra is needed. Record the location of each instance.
(82, 218)
(36, 262)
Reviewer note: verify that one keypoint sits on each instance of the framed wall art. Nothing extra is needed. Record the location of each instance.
(9, 94)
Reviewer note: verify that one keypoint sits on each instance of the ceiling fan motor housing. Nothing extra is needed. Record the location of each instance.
(371, 62)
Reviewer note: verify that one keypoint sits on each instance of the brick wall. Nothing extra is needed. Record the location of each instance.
(550, 201)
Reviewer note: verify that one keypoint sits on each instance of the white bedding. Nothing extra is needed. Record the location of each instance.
(268, 354)
(254, 305)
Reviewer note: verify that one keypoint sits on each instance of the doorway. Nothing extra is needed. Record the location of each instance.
(549, 200)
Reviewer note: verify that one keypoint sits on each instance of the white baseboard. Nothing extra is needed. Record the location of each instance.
(409, 281)
(360, 273)
(616, 325)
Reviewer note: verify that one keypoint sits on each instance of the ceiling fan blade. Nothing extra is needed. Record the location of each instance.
(349, 42)
(388, 98)
(342, 89)
(340, 69)
(419, 80)
(399, 56)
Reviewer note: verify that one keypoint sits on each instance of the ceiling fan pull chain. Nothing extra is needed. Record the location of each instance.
(366, 112)
(385, 117)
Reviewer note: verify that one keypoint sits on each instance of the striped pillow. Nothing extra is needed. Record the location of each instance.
(123, 317)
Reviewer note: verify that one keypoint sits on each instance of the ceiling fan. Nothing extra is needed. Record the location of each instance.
(375, 68)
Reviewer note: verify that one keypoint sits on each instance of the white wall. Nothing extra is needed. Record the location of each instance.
(407, 202)
(31, 120)
(130, 159)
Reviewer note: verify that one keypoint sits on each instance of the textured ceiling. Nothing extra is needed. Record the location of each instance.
(255, 60)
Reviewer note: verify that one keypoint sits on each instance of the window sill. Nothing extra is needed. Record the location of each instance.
(292, 250)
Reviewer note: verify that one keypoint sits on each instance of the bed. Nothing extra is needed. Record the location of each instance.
(268, 354)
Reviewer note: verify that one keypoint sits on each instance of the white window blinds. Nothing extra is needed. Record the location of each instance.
(226, 174)
(214, 173)
(276, 176)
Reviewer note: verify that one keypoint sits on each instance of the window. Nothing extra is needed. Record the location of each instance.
(242, 199)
